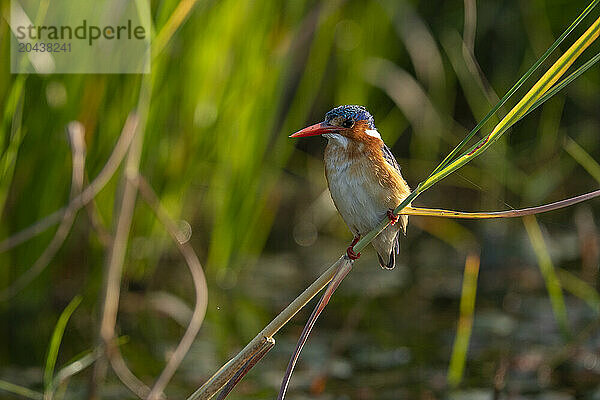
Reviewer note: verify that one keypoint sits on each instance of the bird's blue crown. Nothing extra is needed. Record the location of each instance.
(357, 113)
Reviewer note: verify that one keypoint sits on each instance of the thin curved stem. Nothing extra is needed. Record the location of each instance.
(116, 254)
(433, 212)
(77, 142)
(340, 274)
(198, 279)
(90, 191)
(120, 368)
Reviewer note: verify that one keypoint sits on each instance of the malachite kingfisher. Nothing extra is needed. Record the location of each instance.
(364, 178)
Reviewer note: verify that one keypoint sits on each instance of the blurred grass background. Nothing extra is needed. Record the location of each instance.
(235, 79)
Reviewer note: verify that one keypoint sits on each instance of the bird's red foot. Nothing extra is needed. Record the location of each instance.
(350, 250)
(393, 217)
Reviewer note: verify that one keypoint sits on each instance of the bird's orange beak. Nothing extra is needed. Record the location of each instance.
(314, 130)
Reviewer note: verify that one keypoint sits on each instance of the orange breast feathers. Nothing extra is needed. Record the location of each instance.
(364, 162)
(392, 186)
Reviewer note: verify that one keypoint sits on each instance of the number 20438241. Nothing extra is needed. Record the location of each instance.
(41, 47)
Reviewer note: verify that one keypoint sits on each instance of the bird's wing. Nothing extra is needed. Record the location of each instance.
(389, 157)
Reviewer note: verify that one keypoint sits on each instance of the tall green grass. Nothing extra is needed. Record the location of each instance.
(465, 321)
(548, 271)
(55, 341)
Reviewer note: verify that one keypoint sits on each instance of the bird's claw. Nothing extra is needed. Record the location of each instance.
(350, 250)
(351, 254)
(393, 217)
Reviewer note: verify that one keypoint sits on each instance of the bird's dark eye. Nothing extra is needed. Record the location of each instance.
(349, 123)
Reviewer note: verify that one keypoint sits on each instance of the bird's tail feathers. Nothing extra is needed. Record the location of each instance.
(390, 264)
(391, 256)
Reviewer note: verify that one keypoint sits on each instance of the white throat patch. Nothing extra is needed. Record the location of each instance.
(373, 133)
(341, 140)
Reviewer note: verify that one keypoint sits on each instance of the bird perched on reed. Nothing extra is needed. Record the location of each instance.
(364, 178)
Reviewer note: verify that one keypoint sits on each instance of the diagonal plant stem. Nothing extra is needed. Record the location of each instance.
(220, 378)
(266, 345)
(173, 23)
(20, 390)
(432, 212)
(583, 158)
(517, 85)
(526, 103)
(65, 373)
(54, 346)
(470, 24)
(13, 117)
(563, 83)
(553, 285)
(579, 288)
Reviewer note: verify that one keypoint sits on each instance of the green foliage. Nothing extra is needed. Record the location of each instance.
(56, 340)
(548, 271)
(20, 390)
(465, 321)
